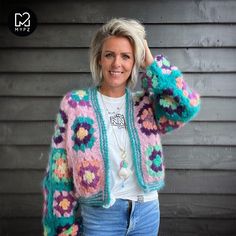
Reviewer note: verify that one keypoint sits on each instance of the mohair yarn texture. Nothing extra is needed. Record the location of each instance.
(78, 167)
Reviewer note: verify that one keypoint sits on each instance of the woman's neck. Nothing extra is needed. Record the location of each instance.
(115, 93)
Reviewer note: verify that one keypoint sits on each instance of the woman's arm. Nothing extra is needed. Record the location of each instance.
(60, 203)
(174, 103)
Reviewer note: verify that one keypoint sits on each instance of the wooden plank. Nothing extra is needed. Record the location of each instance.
(51, 36)
(74, 36)
(171, 206)
(213, 84)
(24, 157)
(198, 206)
(27, 205)
(186, 11)
(21, 226)
(204, 182)
(195, 133)
(176, 157)
(24, 181)
(217, 109)
(209, 35)
(177, 181)
(76, 60)
(26, 133)
(205, 133)
(33, 109)
(200, 157)
(42, 84)
(44, 60)
(57, 84)
(196, 227)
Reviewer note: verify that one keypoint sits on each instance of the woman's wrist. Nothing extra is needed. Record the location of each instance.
(149, 61)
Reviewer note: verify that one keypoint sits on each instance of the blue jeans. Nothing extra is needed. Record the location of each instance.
(122, 219)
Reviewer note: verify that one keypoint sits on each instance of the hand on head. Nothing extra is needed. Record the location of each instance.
(148, 59)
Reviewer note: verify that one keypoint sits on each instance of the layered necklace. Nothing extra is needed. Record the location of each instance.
(119, 120)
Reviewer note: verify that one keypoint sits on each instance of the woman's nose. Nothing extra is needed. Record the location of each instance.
(116, 61)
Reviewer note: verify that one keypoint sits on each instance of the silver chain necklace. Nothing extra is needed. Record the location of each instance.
(124, 170)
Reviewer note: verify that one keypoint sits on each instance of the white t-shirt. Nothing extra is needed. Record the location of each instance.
(114, 115)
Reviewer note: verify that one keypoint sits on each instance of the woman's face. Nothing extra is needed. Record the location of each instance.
(117, 60)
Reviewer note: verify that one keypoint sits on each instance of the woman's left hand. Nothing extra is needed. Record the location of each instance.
(148, 60)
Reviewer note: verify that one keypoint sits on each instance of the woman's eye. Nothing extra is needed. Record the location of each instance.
(126, 57)
(108, 55)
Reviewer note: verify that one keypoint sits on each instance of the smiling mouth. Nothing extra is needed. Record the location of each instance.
(115, 72)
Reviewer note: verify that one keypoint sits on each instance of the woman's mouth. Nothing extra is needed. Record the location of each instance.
(112, 72)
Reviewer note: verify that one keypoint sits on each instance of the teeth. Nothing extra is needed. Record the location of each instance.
(115, 72)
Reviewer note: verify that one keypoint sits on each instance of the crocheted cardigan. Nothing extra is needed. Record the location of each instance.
(78, 168)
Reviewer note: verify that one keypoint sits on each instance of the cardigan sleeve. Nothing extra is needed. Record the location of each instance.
(174, 103)
(60, 204)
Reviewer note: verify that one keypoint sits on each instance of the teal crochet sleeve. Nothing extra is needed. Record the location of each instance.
(174, 102)
(60, 204)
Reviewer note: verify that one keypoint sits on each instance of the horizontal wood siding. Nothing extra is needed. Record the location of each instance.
(186, 11)
(76, 60)
(74, 36)
(43, 84)
(36, 71)
(177, 181)
(209, 157)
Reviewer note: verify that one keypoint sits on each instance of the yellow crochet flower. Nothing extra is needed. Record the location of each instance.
(81, 133)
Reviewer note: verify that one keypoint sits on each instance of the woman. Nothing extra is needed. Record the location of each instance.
(106, 161)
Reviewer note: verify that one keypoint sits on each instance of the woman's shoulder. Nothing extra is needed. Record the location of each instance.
(76, 93)
(76, 98)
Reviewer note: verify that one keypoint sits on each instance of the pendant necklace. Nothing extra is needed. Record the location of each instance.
(124, 170)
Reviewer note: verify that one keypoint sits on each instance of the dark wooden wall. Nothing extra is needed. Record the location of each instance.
(35, 71)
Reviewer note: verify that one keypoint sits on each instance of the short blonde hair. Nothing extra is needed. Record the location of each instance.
(133, 30)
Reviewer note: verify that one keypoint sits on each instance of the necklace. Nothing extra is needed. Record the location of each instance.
(124, 171)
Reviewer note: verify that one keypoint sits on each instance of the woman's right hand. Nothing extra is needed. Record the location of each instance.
(148, 60)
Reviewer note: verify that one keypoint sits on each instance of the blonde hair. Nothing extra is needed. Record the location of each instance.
(133, 30)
